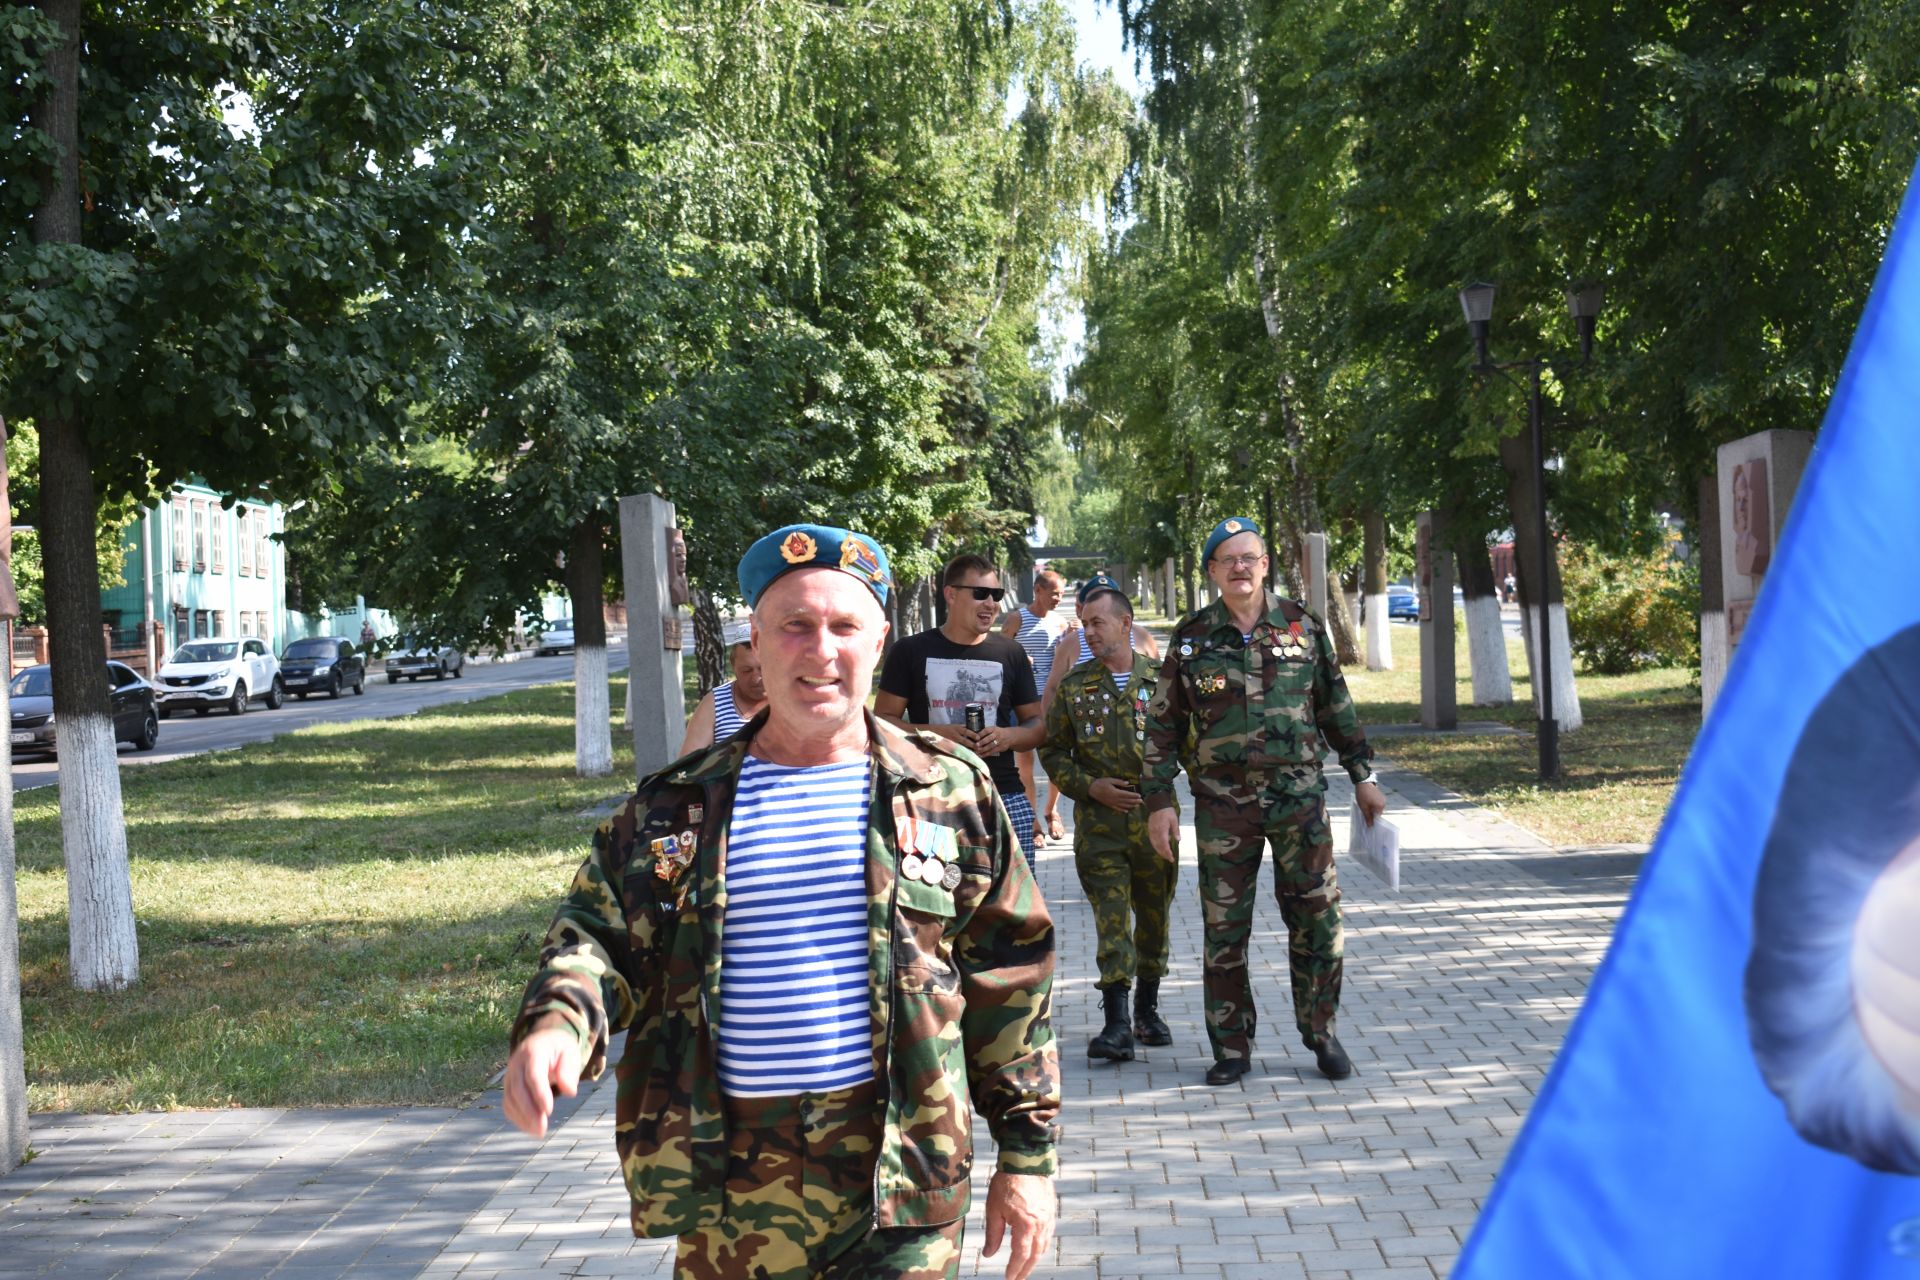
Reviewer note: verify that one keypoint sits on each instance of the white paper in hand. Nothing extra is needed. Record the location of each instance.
(1376, 847)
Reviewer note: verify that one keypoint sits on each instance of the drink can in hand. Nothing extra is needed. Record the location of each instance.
(976, 717)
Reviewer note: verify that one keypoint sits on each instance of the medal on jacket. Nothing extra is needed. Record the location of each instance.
(671, 854)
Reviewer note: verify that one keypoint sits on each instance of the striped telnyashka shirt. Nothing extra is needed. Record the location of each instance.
(726, 716)
(1038, 635)
(793, 954)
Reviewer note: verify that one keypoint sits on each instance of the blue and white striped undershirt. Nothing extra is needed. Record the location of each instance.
(1120, 678)
(793, 953)
(726, 716)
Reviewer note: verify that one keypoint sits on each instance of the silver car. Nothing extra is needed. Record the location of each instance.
(417, 660)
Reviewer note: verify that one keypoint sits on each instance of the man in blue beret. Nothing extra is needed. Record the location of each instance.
(796, 926)
(1253, 679)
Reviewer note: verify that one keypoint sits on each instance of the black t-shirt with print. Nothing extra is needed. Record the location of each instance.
(938, 678)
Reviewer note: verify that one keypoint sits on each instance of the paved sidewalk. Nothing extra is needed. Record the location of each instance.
(1458, 991)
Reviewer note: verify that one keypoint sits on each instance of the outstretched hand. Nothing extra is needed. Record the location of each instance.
(545, 1063)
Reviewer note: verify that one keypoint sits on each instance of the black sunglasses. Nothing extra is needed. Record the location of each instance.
(985, 593)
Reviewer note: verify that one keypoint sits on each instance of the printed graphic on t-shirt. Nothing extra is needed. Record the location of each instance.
(954, 682)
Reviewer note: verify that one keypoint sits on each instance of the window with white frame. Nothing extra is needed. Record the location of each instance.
(182, 523)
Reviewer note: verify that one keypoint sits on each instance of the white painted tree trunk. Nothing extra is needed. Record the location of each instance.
(1487, 647)
(101, 944)
(13, 1071)
(1566, 697)
(592, 729)
(1379, 639)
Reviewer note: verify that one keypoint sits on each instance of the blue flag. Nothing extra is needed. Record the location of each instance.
(1740, 1094)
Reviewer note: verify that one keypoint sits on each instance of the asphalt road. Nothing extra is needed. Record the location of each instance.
(188, 734)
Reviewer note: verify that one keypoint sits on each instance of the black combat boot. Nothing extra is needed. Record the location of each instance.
(1331, 1058)
(1148, 1026)
(1115, 1042)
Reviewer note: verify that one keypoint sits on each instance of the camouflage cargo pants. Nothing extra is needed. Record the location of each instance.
(1130, 888)
(799, 1200)
(1233, 825)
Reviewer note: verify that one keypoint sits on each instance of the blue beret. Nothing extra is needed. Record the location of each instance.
(1098, 582)
(809, 546)
(1226, 529)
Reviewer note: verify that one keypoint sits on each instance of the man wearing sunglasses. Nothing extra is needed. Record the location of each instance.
(932, 678)
(1253, 678)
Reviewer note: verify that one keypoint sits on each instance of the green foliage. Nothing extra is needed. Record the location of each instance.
(112, 524)
(1631, 611)
(245, 302)
(1729, 175)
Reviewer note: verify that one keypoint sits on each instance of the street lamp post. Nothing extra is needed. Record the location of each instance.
(1583, 304)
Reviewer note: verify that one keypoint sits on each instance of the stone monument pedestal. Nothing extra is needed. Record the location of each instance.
(1438, 705)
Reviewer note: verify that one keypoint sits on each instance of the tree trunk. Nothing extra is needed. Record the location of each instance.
(1187, 582)
(1345, 649)
(102, 945)
(709, 641)
(1373, 591)
(13, 1076)
(1516, 456)
(586, 588)
(1486, 634)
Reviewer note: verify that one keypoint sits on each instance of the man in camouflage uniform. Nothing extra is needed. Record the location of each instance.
(1253, 678)
(1093, 752)
(865, 1181)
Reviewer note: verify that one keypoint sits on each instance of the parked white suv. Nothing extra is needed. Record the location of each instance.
(204, 674)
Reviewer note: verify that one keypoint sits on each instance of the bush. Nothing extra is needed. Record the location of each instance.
(1630, 612)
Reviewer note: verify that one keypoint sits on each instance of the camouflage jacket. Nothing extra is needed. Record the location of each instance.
(1257, 711)
(1096, 731)
(960, 984)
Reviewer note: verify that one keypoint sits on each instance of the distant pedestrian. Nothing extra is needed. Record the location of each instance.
(1036, 630)
(830, 966)
(1512, 588)
(727, 707)
(933, 678)
(366, 636)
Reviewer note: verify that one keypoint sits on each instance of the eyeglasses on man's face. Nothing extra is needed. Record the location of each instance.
(1240, 562)
(985, 593)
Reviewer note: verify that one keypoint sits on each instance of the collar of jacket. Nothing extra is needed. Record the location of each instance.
(1215, 618)
(897, 753)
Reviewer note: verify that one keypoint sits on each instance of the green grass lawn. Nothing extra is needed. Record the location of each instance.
(1617, 772)
(344, 915)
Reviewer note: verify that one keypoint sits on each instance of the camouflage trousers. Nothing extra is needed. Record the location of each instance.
(799, 1199)
(1234, 823)
(1130, 888)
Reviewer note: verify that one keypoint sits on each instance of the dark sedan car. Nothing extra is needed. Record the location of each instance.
(136, 718)
(323, 664)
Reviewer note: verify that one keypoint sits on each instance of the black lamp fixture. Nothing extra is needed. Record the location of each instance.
(1583, 304)
(1476, 300)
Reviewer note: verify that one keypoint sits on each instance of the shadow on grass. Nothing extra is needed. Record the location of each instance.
(316, 1013)
(344, 915)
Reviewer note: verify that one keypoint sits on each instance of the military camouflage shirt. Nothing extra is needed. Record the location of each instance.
(960, 981)
(1096, 730)
(1257, 709)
